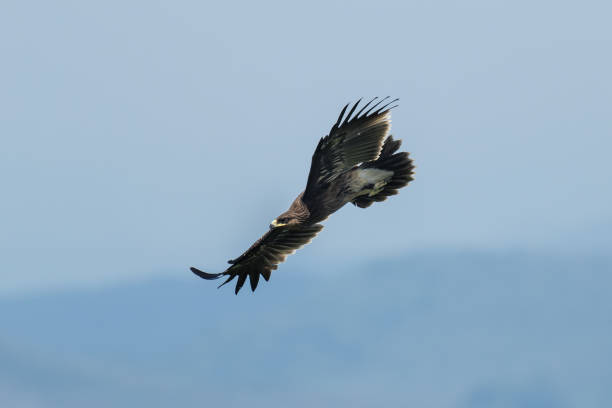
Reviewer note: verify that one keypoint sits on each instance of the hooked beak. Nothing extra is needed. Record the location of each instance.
(276, 224)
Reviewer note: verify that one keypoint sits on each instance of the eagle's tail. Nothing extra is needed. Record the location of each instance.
(399, 163)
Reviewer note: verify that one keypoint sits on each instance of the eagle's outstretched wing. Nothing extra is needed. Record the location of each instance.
(264, 255)
(355, 140)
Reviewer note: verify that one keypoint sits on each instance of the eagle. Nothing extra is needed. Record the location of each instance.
(357, 162)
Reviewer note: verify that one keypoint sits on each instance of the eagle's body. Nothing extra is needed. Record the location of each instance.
(356, 163)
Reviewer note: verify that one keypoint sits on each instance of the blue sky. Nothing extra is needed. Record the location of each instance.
(145, 137)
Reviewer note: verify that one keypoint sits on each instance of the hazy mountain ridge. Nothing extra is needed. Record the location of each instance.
(446, 329)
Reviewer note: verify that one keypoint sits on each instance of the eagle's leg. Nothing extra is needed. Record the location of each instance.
(377, 188)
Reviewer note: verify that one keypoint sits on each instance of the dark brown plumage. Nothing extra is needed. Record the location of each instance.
(357, 162)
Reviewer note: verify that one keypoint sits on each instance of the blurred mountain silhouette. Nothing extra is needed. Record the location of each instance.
(444, 329)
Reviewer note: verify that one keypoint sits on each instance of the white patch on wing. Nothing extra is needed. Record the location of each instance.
(373, 179)
(373, 176)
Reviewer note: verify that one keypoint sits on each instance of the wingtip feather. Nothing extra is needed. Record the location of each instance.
(205, 275)
(241, 280)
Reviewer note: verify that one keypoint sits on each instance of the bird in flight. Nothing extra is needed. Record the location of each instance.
(357, 162)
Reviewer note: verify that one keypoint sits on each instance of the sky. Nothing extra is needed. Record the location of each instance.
(147, 137)
(139, 138)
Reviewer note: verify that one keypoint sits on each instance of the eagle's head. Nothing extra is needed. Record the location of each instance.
(296, 215)
(285, 220)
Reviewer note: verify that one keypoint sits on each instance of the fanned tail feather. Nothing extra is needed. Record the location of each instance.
(399, 163)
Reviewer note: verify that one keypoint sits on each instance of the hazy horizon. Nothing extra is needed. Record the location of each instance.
(444, 329)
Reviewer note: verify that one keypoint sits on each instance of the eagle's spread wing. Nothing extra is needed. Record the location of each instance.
(264, 255)
(355, 140)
